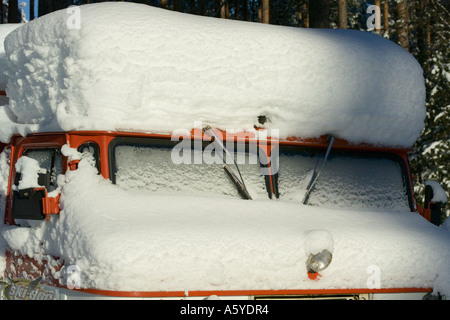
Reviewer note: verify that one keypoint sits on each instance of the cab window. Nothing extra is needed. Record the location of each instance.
(49, 159)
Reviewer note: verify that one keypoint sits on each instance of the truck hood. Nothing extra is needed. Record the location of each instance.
(133, 241)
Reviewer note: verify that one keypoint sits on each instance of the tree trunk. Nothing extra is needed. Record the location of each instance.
(222, 9)
(386, 17)
(203, 7)
(423, 27)
(245, 8)
(305, 15)
(192, 8)
(255, 14)
(342, 14)
(31, 10)
(319, 14)
(13, 12)
(43, 7)
(163, 3)
(402, 24)
(224, 12)
(300, 16)
(265, 11)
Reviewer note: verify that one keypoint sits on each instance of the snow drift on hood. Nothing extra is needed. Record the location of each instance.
(132, 241)
(136, 67)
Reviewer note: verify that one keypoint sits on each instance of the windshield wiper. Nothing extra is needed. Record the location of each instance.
(316, 174)
(238, 183)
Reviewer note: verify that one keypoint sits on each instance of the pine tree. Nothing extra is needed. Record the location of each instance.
(431, 159)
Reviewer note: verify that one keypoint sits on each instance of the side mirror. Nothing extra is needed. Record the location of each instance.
(33, 203)
(435, 201)
(27, 203)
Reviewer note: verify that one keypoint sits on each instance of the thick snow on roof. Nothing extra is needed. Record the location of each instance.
(136, 67)
(5, 29)
(128, 240)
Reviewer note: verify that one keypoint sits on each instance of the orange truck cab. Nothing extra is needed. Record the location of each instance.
(354, 177)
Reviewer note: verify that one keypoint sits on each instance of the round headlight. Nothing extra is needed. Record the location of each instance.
(319, 261)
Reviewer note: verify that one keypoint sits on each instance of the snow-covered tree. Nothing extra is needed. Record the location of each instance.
(431, 159)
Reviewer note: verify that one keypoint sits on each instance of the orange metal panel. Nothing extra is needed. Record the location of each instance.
(281, 293)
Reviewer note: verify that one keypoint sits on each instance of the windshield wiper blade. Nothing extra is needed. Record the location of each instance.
(239, 183)
(316, 174)
(240, 186)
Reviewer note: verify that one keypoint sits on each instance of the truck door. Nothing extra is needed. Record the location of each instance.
(27, 202)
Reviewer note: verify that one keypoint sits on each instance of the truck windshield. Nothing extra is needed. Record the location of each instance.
(142, 165)
(348, 180)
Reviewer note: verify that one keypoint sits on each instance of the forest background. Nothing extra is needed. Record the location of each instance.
(420, 26)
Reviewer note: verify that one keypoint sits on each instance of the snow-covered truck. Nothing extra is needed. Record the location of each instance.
(153, 154)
